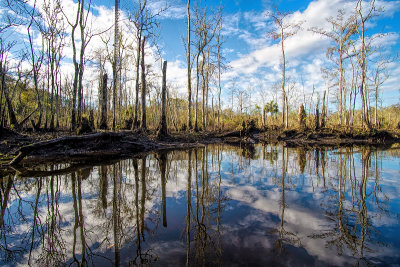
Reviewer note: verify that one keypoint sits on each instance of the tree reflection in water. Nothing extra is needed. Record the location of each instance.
(274, 203)
(207, 212)
(353, 230)
(284, 237)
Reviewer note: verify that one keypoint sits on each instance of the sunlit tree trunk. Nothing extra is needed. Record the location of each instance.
(135, 119)
(115, 63)
(143, 67)
(283, 79)
(103, 102)
(197, 93)
(189, 88)
(363, 62)
(203, 87)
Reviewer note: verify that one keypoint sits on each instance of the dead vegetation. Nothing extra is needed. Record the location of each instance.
(16, 147)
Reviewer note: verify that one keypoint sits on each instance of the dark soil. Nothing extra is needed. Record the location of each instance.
(63, 146)
(329, 137)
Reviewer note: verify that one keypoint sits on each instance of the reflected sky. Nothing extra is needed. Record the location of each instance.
(219, 205)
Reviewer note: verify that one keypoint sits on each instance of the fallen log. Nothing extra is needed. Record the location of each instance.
(24, 172)
(230, 134)
(91, 142)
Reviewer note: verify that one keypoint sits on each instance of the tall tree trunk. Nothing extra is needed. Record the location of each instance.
(283, 80)
(287, 112)
(376, 107)
(103, 103)
(135, 123)
(163, 124)
(35, 69)
(115, 63)
(203, 87)
(2, 107)
(74, 93)
(317, 114)
(207, 87)
(219, 89)
(189, 118)
(81, 62)
(53, 85)
(143, 125)
(341, 84)
(363, 89)
(76, 70)
(58, 101)
(323, 115)
(197, 94)
(11, 113)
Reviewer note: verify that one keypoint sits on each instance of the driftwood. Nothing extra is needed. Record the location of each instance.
(25, 172)
(230, 134)
(81, 145)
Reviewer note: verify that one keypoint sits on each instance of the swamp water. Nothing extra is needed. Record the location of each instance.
(218, 205)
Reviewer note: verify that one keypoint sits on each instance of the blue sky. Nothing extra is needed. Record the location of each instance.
(254, 59)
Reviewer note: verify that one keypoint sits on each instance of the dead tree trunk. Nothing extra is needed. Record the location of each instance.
(189, 73)
(317, 114)
(143, 125)
(264, 117)
(135, 123)
(103, 103)
(302, 117)
(163, 130)
(115, 64)
(323, 115)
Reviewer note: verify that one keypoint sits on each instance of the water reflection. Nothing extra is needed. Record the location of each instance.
(219, 205)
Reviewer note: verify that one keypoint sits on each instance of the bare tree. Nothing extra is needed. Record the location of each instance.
(220, 58)
(78, 66)
(189, 72)
(14, 18)
(363, 17)
(282, 31)
(36, 61)
(86, 35)
(341, 32)
(380, 76)
(205, 30)
(4, 48)
(116, 62)
(145, 22)
(143, 124)
(54, 33)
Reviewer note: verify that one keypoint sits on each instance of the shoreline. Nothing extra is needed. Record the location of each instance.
(97, 146)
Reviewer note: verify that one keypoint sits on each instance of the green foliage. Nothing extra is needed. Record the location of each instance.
(272, 107)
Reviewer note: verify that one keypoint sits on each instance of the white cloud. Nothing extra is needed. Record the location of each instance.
(168, 9)
(305, 52)
(254, 59)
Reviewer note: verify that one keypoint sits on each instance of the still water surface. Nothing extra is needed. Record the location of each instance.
(219, 205)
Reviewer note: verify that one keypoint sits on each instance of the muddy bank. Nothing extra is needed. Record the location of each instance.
(61, 146)
(329, 137)
(95, 146)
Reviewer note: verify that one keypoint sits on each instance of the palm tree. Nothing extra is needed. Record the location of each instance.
(272, 108)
